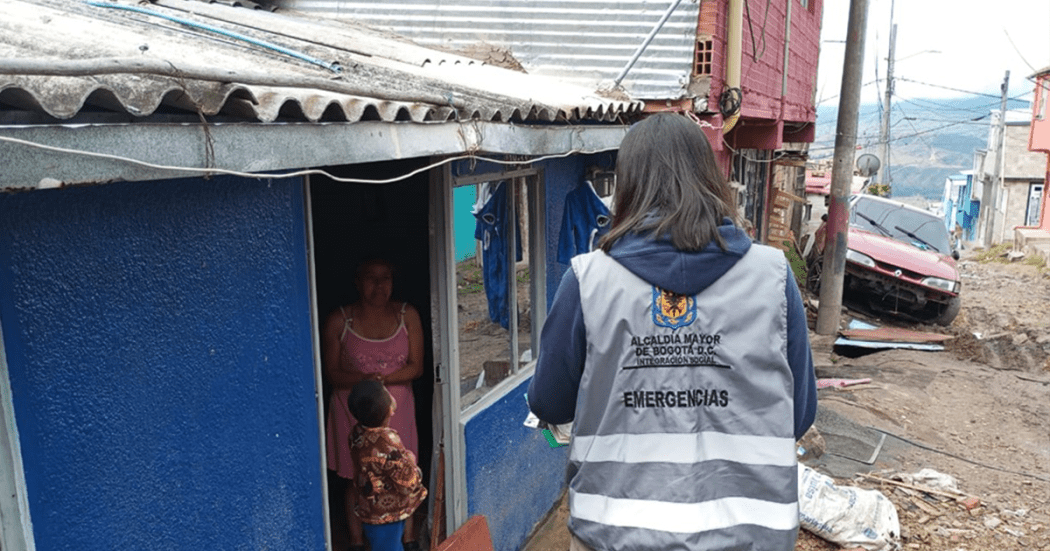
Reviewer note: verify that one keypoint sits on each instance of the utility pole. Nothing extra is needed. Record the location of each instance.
(834, 269)
(990, 193)
(885, 134)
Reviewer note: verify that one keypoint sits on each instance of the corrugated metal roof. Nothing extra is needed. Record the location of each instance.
(587, 41)
(65, 58)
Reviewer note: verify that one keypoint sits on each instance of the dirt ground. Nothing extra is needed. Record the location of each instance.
(484, 345)
(978, 411)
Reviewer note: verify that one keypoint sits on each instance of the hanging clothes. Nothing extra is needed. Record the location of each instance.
(490, 210)
(583, 221)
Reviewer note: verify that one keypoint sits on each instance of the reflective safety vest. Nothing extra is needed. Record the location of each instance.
(684, 429)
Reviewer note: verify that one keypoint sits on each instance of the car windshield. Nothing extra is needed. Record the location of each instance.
(919, 229)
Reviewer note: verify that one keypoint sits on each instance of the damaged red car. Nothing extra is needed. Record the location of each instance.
(900, 261)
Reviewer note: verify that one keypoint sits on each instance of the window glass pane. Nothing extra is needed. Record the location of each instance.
(523, 273)
(921, 229)
(493, 281)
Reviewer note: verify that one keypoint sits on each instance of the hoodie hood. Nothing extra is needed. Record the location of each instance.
(686, 273)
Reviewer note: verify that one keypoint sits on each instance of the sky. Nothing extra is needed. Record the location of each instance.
(949, 48)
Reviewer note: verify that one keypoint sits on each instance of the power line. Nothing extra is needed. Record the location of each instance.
(947, 88)
(970, 92)
(1019, 54)
(935, 118)
(986, 107)
(912, 125)
(297, 173)
(946, 120)
(920, 133)
(929, 105)
(836, 95)
(870, 133)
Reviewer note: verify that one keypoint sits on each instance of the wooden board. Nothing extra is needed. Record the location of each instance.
(472, 536)
(893, 334)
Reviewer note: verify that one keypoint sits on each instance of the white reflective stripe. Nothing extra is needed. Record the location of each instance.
(684, 448)
(683, 517)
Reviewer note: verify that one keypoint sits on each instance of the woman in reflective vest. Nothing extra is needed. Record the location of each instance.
(680, 352)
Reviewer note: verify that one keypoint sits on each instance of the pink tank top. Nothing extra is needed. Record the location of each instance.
(382, 356)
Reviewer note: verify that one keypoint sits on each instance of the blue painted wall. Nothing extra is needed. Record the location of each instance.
(513, 476)
(562, 176)
(463, 221)
(159, 344)
(968, 210)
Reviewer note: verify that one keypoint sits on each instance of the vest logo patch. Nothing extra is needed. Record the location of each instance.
(672, 310)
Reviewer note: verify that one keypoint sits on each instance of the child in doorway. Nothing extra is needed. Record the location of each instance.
(389, 483)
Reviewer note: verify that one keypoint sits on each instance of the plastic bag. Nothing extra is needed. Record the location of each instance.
(932, 479)
(556, 435)
(848, 516)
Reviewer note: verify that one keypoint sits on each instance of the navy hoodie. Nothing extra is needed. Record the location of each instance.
(552, 392)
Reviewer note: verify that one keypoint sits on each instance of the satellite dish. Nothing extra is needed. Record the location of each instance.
(868, 164)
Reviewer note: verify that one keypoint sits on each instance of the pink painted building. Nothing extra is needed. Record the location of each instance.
(1037, 235)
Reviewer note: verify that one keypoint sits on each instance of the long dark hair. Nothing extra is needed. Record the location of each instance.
(668, 183)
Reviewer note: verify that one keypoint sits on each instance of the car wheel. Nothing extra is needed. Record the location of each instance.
(950, 311)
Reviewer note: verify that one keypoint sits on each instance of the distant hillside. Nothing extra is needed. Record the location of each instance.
(929, 139)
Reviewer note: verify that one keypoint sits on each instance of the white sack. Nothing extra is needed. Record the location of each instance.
(848, 516)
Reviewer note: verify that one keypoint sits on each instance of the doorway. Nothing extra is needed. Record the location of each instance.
(354, 222)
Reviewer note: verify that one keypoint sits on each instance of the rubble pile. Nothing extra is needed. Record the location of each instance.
(1004, 322)
(947, 519)
(938, 520)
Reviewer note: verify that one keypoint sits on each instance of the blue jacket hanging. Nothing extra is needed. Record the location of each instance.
(491, 213)
(584, 220)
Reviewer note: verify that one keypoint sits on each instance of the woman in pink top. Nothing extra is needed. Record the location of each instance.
(373, 338)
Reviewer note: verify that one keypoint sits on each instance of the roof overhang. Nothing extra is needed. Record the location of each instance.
(63, 59)
(42, 156)
(1040, 72)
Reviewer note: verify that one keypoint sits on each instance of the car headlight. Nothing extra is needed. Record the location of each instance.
(945, 284)
(862, 259)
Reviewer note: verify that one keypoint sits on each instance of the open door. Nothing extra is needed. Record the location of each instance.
(352, 222)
